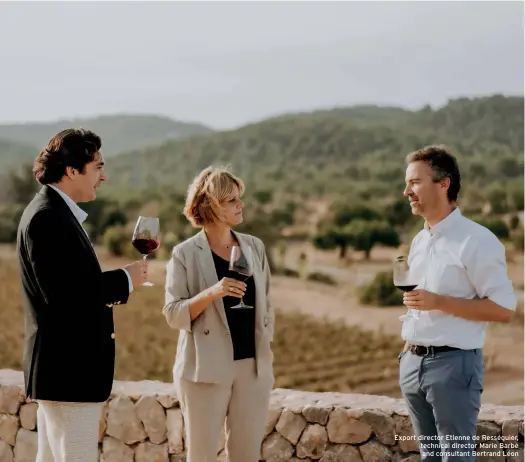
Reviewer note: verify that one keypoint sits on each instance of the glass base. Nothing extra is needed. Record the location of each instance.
(148, 284)
(241, 305)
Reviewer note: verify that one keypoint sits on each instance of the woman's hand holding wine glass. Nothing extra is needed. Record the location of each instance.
(228, 287)
(146, 237)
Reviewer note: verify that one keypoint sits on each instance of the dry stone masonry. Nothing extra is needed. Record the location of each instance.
(142, 422)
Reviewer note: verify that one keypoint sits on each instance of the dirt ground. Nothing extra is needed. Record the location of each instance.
(504, 343)
(504, 383)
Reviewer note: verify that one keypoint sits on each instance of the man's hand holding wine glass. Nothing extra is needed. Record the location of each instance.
(422, 300)
(138, 272)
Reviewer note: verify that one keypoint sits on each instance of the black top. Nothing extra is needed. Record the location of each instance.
(69, 346)
(241, 321)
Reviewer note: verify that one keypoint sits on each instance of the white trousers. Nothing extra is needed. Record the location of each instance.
(240, 406)
(68, 432)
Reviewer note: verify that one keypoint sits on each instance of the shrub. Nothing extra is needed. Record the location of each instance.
(322, 278)
(167, 243)
(496, 225)
(9, 218)
(117, 241)
(380, 291)
(514, 222)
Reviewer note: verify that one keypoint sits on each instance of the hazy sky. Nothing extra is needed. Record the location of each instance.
(226, 64)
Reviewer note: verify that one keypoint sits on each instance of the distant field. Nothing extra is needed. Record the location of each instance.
(309, 354)
(343, 354)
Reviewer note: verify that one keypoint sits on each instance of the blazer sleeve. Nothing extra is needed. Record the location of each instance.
(267, 279)
(116, 287)
(176, 308)
(61, 272)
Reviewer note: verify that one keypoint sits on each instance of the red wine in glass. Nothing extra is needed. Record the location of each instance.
(406, 288)
(404, 278)
(241, 261)
(146, 237)
(145, 246)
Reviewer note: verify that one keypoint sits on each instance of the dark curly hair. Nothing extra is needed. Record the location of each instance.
(70, 148)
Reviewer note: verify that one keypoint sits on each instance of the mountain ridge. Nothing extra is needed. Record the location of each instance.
(322, 150)
(119, 132)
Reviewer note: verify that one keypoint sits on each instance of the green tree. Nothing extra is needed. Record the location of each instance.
(331, 236)
(496, 225)
(344, 213)
(103, 214)
(398, 213)
(22, 185)
(514, 222)
(364, 235)
(497, 198)
(263, 196)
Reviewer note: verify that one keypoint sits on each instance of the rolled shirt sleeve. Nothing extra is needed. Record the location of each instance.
(486, 264)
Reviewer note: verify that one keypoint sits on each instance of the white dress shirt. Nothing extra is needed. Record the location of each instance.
(81, 216)
(460, 258)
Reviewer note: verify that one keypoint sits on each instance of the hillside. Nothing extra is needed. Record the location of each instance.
(356, 150)
(12, 153)
(119, 132)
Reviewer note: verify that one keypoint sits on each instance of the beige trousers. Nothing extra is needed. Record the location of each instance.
(241, 405)
(68, 432)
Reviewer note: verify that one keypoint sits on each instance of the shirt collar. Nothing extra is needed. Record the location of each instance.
(80, 214)
(445, 223)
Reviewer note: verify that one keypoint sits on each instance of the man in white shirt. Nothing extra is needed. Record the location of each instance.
(69, 345)
(460, 268)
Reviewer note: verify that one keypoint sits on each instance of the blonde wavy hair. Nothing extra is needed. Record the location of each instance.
(207, 193)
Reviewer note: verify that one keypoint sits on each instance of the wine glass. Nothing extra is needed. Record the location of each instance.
(146, 237)
(404, 278)
(242, 263)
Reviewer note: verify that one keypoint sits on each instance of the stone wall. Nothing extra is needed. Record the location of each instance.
(142, 422)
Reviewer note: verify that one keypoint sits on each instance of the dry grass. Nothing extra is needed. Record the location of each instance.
(310, 354)
(347, 353)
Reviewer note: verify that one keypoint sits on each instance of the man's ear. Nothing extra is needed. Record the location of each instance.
(71, 172)
(445, 183)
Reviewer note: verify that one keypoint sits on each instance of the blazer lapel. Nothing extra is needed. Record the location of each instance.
(57, 201)
(207, 267)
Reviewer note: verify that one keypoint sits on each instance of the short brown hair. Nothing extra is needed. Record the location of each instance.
(207, 192)
(443, 164)
(70, 148)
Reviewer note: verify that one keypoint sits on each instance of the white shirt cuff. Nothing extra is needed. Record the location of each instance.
(129, 280)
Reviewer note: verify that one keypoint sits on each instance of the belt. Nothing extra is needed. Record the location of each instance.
(421, 350)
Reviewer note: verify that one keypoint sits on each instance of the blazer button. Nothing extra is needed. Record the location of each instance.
(113, 335)
(206, 332)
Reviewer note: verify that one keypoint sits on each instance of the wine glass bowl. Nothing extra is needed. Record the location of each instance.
(146, 237)
(403, 277)
(241, 262)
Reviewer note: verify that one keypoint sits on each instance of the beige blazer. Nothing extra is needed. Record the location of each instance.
(204, 348)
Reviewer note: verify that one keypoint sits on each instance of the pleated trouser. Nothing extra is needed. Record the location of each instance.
(68, 432)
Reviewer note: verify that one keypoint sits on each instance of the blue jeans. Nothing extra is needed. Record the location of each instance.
(443, 396)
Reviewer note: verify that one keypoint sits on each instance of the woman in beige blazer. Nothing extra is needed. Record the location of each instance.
(223, 370)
